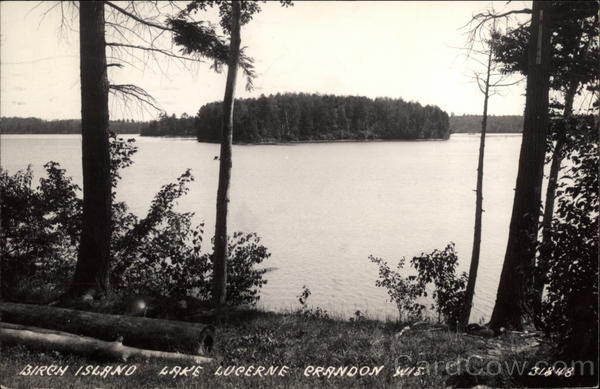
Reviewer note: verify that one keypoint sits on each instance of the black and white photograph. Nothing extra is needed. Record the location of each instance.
(299, 194)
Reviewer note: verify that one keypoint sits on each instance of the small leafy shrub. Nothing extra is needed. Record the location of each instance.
(244, 278)
(303, 296)
(439, 269)
(358, 317)
(159, 254)
(436, 270)
(403, 291)
(305, 310)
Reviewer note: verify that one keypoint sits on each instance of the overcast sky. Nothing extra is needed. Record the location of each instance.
(393, 49)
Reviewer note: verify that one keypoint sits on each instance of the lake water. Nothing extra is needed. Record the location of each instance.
(322, 209)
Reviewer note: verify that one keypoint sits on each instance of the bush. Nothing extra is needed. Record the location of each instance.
(40, 230)
(315, 313)
(436, 270)
(403, 291)
(570, 251)
(439, 269)
(159, 254)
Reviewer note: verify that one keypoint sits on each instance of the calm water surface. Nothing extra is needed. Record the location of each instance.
(322, 209)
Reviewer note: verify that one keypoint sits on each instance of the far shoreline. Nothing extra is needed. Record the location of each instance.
(275, 143)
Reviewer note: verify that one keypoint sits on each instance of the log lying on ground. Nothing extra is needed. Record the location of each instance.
(40, 338)
(139, 332)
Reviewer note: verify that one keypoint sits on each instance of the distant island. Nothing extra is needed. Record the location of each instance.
(31, 125)
(294, 117)
(495, 124)
(310, 117)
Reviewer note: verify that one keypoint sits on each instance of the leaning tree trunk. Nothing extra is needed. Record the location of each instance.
(92, 271)
(470, 291)
(512, 308)
(221, 252)
(556, 160)
(557, 156)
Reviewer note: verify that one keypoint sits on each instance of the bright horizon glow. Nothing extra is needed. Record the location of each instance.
(405, 50)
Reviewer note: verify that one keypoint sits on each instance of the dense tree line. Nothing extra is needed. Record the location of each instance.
(495, 124)
(299, 117)
(31, 125)
(170, 126)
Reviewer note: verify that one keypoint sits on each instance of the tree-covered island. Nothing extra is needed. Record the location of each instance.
(294, 117)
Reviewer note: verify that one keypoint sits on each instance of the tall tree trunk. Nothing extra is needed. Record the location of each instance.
(221, 254)
(557, 159)
(557, 155)
(515, 290)
(470, 291)
(92, 270)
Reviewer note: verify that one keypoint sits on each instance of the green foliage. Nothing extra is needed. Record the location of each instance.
(256, 338)
(570, 251)
(244, 279)
(31, 125)
(439, 269)
(358, 317)
(495, 123)
(403, 291)
(200, 39)
(304, 295)
(203, 40)
(313, 313)
(294, 117)
(159, 254)
(436, 271)
(40, 229)
(248, 10)
(575, 51)
(170, 126)
(121, 154)
(299, 117)
(575, 54)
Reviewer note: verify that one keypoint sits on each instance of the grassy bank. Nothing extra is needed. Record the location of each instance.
(304, 342)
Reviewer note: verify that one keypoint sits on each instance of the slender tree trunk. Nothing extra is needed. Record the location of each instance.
(92, 270)
(556, 160)
(470, 291)
(540, 271)
(515, 290)
(221, 254)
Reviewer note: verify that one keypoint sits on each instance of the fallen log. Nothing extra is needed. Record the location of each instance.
(41, 338)
(155, 334)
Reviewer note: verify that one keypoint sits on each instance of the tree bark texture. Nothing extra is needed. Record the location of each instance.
(221, 252)
(92, 270)
(470, 291)
(141, 332)
(557, 157)
(40, 338)
(513, 301)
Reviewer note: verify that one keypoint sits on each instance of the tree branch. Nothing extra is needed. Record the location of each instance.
(137, 18)
(130, 91)
(153, 49)
(498, 84)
